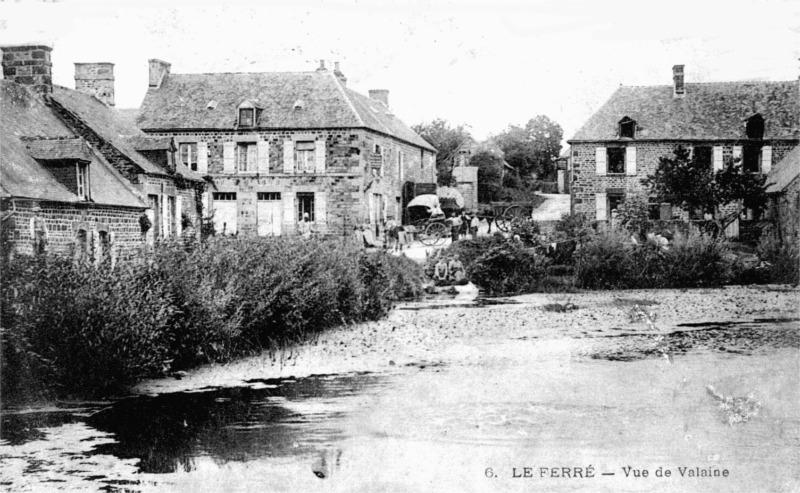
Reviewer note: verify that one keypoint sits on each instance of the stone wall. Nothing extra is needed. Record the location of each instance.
(587, 183)
(29, 66)
(354, 174)
(62, 223)
(786, 210)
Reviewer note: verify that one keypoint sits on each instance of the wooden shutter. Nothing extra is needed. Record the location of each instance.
(202, 158)
(164, 216)
(600, 160)
(320, 208)
(737, 154)
(766, 159)
(112, 249)
(319, 156)
(263, 157)
(288, 156)
(228, 161)
(630, 161)
(288, 207)
(179, 215)
(601, 206)
(96, 248)
(717, 158)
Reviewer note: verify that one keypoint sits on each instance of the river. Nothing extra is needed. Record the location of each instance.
(562, 407)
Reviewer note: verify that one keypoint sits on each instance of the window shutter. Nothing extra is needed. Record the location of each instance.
(32, 228)
(288, 207)
(319, 156)
(96, 248)
(766, 159)
(179, 215)
(737, 154)
(202, 158)
(112, 248)
(288, 156)
(320, 208)
(164, 216)
(228, 162)
(630, 158)
(717, 158)
(601, 206)
(385, 206)
(262, 148)
(600, 160)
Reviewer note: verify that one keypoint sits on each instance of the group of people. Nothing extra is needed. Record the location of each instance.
(451, 272)
(462, 225)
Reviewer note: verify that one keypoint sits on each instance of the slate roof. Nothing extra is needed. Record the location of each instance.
(182, 102)
(147, 143)
(783, 173)
(24, 118)
(107, 123)
(57, 149)
(709, 111)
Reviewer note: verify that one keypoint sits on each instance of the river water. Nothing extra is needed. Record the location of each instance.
(532, 413)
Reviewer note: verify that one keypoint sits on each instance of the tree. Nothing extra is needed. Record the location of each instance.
(490, 168)
(533, 148)
(694, 186)
(445, 138)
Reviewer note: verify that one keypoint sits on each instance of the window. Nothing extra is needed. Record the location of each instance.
(247, 117)
(755, 127)
(627, 128)
(269, 195)
(616, 159)
(224, 196)
(246, 157)
(305, 204)
(82, 246)
(83, 181)
(751, 158)
(105, 247)
(704, 156)
(614, 200)
(172, 220)
(187, 154)
(304, 157)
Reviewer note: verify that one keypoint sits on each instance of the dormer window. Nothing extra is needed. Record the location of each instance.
(754, 128)
(82, 170)
(627, 128)
(247, 117)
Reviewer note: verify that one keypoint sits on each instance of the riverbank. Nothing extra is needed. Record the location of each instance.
(423, 338)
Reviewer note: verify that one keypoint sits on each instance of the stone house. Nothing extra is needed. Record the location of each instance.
(277, 146)
(783, 188)
(757, 122)
(71, 180)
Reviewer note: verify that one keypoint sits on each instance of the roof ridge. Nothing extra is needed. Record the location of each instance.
(246, 73)
(349, 102)
(731, 82)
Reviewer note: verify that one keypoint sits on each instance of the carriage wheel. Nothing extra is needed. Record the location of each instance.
(433, 233)
(511, 213)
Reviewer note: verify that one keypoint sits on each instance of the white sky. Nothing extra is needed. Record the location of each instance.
(485, 64)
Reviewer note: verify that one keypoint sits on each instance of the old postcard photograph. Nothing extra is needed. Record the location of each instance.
(385, 246)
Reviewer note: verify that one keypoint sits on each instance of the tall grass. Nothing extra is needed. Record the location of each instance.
(77, 329)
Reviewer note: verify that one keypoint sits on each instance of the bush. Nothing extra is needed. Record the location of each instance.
(613, 261)
(80, 329)
(468, 251)
(509, 268)
(782, 261)
(526, 228)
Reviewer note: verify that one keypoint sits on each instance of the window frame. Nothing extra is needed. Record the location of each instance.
(252, 112)
(82, 182)
(191, 152)
(246, 149)
(305, 156)
(751, 152)
(697, 150)
(303, 200)
(614, 150)
(627, 123)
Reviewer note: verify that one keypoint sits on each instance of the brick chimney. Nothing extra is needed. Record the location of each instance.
(339, 75)
(380, 95)
(96, 79)
(678, 88)
(321, 67)
(159, 70)
(29, 65)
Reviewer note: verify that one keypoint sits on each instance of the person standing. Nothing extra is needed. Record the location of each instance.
(455, 227)
(474, 223)
(305, 226)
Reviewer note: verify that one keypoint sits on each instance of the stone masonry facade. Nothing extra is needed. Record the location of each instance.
(358, 185)
(587, 186)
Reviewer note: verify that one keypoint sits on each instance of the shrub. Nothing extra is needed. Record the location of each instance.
(509, 268)
(468, 251)
(782, 260)
(80, 329)
(526, 228)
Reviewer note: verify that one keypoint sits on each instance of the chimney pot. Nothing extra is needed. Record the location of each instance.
(678, 87)
(380, 95)
(96, 79)
(29, 65)
(159, 71)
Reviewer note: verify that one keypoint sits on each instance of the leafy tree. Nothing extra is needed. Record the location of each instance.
(682, 181)
(490, 169)
(532, 148)
(445, 138)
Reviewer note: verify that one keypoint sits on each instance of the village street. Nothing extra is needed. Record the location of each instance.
(508, 394)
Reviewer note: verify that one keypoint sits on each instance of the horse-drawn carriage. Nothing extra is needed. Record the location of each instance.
(504, 213)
